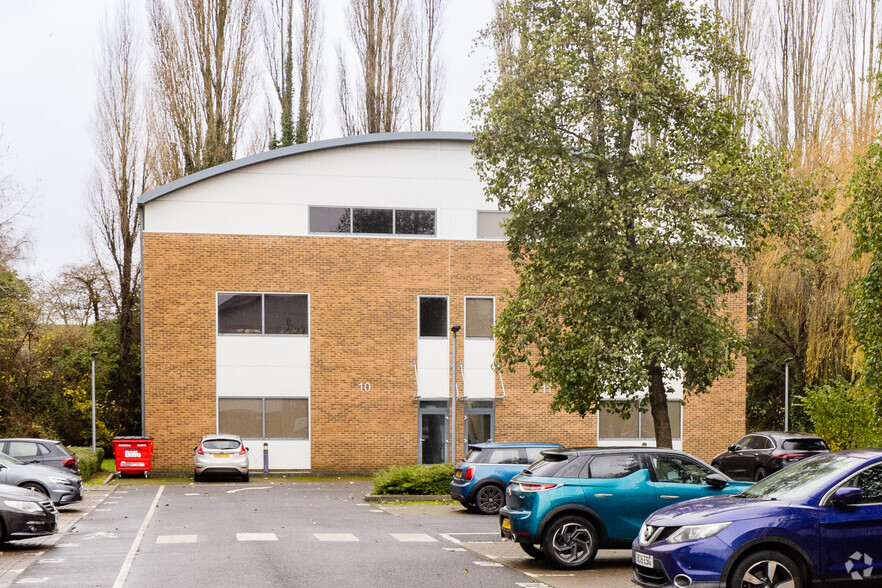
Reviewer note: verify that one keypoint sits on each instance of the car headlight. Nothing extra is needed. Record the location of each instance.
(693, 532)
(63, 481)
(23, 506)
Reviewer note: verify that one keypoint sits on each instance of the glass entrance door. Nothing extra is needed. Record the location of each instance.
(433, 431)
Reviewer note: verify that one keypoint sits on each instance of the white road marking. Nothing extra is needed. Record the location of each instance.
(454, 549)
(33, 581)
(488, 564)
(248, 488)
(549, 575)
(68, 545)
(103, 510)
(136, 544)
(256, 537)
(192, 494)
(377, 510)
(111, 502)
(335, 537)
(98, 534)
(532, 585)
(414, 538)
(362, 504)
(52, 560)
(451, 538)
(176, 539)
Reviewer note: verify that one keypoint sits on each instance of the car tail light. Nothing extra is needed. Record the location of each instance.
(527, 487)
(241, 450)
(69, 462)
(469, 473)
(199, 450)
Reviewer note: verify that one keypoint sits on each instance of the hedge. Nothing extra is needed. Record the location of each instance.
(414, 479)
(90, 462)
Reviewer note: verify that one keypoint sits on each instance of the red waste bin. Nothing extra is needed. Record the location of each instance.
(133, 454)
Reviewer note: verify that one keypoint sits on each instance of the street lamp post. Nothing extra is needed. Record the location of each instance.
(787, 394)
(94, 355)
(454, 329)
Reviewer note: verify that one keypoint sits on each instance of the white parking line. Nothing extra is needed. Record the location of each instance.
(414, 538)
(176, 539)
(488, 564)
(256, 537)
(33, 581)
(248, 488)
(127, 564)
(335, 537)
(52, 561)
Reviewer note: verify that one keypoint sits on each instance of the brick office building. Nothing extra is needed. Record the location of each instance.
(304, 298)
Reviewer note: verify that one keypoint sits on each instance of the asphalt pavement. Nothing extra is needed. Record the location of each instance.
(280, 533)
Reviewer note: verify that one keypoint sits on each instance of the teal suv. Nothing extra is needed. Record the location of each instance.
(576, 501)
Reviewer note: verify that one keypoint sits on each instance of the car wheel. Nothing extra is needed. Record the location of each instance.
(759, 474)
(245, 477)
(534, 551)
(2, 532)
(767, 568)
(36, 488)
(570, 542)
(197, 477)
(490, 499)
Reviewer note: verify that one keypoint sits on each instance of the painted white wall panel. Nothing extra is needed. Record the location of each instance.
(478, 374)
(284, 454)
(263, 366)
(433, 368)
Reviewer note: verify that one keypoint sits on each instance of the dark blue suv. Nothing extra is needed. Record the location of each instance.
(479, 481)
(815, 523)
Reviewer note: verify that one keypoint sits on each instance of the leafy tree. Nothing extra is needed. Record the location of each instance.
(634, 200)
(844, 415)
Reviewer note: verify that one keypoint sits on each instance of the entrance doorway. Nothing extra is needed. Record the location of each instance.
(433, 431)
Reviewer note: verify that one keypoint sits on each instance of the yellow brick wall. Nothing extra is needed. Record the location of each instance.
(363, 309)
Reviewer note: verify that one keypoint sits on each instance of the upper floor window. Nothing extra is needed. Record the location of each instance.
(263, 314)
(478, 318)
(639, 425)
(371, 221)
(433, 316)
(490, 224)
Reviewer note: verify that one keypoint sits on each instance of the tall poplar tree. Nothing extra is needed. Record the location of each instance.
(635, 200)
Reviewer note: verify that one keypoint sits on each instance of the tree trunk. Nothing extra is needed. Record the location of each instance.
(658, 406)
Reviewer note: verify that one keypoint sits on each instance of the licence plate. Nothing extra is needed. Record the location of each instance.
(506, 524)
(457, 474)
(643, 559)
(222, 455)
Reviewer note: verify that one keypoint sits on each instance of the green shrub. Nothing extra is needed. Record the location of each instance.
(89, 461)
(844, 415)
(414, 479)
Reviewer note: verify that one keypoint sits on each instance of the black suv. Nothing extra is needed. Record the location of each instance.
(757, 455)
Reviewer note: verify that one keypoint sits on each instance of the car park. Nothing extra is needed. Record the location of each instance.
(815, 523)
(222, 455)
(46, 452)
(479, 481)
(25, 513)
(576, 501)
(757, 455)
(59, 486)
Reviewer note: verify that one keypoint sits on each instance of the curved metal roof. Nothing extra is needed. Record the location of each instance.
(302, 148)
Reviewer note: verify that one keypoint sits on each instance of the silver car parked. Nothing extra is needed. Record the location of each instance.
(59, 486)
(220, 454)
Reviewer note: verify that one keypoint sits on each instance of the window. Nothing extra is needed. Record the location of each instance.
(264, 418)
(870, 482)
(760, 442)
(805, 445)
(490, 224)
(506, 456)
(478, 317)
(678, 470)
(433, 316)
(616, 465)
(479, 420)
(26, 449)
(267, 314)
(639, 425)
(371, 221)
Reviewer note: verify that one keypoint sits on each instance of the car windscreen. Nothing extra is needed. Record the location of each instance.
(9, 458)
(220, 444)
(805, 445)
(801, 479)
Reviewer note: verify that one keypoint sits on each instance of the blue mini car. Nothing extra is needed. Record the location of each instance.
(815, 523)
(479, 481)
(576, 501)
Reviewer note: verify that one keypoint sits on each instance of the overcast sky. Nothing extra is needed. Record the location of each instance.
(48, 51)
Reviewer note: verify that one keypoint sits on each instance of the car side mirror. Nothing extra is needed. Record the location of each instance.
(847, 495)
(716, 481)
(733, 448)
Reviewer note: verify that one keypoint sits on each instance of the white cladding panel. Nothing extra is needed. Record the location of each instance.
(478, 375)
(284, 454)
(433, 368)
(272, 198)
(262, 366)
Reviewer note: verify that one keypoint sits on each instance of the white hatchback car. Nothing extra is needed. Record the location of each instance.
(220, 454)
